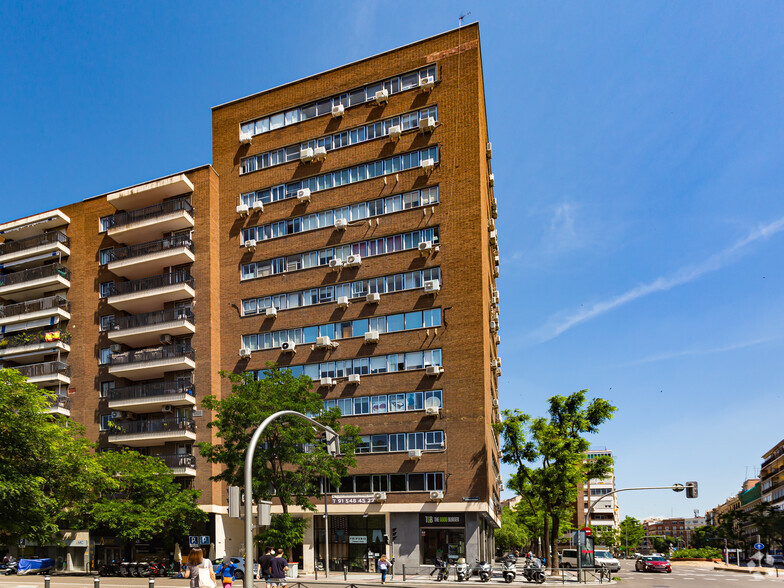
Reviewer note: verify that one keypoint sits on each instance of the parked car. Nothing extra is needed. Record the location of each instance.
(606, 559)
(240, 563)
(652, 563)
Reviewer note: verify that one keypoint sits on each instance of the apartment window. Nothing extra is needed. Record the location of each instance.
(105, 223)
(107, 322)
(105, 356)
(104, 420)
(105, 255)
(106, 289)
(106, 387)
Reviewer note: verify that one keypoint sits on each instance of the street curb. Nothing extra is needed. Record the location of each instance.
(743, 570)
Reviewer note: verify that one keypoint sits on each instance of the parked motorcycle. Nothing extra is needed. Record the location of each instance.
(109, 569)
(10, 568)
(143, 569)
(443, 572)
(462, 570)
(533, 571)
(509, 571)
(485, 570)
(125, 569)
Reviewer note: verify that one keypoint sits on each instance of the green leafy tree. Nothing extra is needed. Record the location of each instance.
(512, 535)
(139, 499)
(663, 543)
(549, 454)
(47, 471)
(700, 537)
(605, 535)
(768, 520)
(630, 534)
(282, 468)
(285, 532)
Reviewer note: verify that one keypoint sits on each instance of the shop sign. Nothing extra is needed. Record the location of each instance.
(76, 543)
(470, 499)
(353, 498)
(357, 538)
(442, 520)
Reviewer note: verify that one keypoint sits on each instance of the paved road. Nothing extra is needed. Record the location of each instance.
(692, 576)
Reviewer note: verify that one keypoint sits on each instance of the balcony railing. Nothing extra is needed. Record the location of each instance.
(151, 247)
(63, 402)
(141, 391)
(34, 306)
(168, 207)
(148, 319)
(144, 355)
(36, 273)
(34, 241)
(151, 426)
(178, 460)
(48, 368)
(25, 338)
(152, 283)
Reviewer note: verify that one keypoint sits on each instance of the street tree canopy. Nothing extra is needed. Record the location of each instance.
(630, 534)
(282, 466)
(511, 535)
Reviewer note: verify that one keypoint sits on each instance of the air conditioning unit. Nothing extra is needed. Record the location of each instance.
(494, 364)
(428, 164)
(497, 339)
(373, 297)
(250, 244)
(414, 453)
(245, 138)
(271, 311)
(495, 402)
(432, 410)
(115, 348)
(436, 495)
(489, 150)
(496, 272)
(353, 378)
(335, 264)
(425, 247)
(117, 415)
(434, 370)
(244, 352)
(165, 339)
(306, 154)
(341, 223)
(353, 261)
(427, 124)
(426, 84)
(371, 337)
(258, 206)
(493, 237)
(491, 179)
(243, 210)
(501, 487)
(382, 97)
(338, 110)
(288, 347)
(167, 408)
(497, 260)
(498, 373)
(395, 132)
(432, 286)
(493, 326)
(303, 195)
(343, 301)
(496, 296)
(320, 153)
(326, 382)
(323, 342)
(499, 479)
(380, 496)
(492, 224)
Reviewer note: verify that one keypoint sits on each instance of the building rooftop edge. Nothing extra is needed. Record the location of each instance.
(185, 171)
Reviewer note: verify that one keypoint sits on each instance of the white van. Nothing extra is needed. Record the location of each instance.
(603, 557)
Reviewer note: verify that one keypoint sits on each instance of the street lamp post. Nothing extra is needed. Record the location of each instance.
(332, 448)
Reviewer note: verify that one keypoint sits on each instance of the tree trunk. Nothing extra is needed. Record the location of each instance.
(554, 536)
(547, 540)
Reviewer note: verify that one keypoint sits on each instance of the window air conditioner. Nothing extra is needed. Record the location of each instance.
(497, 260)
(414, 453)
(489, 150)
(245, 138)
(167, 408)
(165, 339)
(343, 301)
(371, 337)
(495, 402)
(496, 296)
(115, 348)
(499, 479)
(493, 326)
(323, 342)
(338, 110)
(258, 206)
(432, 286)
(288, 347)
(373, 297)
(491, 179)
(382, 97)
(432, 410)
(427, 124)
(335, 263)
(497, 339)
(353, 378)
(117, 415)
(244, 352)
(498, 373)
(492, 224)
(494, 364)
(434, 370)
(250, 244)
(271, 311)
(501, 487)
(306, 154)
(380, 496)
(426, 84)
(436, 495)
(425, 247)
(320, 153)
(303, 195)
(353, 261)
(242, 209)
(326, 382)
(341, 223)
(496, 272)
(395, 132)
(428, 164)
(493, 237)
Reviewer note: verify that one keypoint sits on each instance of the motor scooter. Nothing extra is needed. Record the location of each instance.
(484, 569)
(12, 567)
(509, 571)
(462, 570)
(533, 571)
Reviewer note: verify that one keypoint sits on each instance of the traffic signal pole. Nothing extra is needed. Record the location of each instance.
(690, 487)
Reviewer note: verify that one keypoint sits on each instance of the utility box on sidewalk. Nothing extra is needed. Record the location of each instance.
(293, 569)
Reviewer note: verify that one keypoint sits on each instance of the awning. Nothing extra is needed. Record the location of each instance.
(23, 326)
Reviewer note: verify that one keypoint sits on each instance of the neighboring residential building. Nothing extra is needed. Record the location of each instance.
(772, 476)
(346, 230)
(595, 492)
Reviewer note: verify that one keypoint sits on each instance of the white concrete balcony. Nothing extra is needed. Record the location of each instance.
(152, 328)
(60, 405)
(35, 313)
(30, 284)
(150, 364)
(50, 373)
(32, 347)
(34, 246)
(180, 464)
(144, 259)
(151, 192)
(151, 432)
(147, 294)
(145, 224)
(152, 397)
(34, 225)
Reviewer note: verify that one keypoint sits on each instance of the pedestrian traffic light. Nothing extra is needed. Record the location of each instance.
(394, 533)
(691, 489)
(234, 502)
(386, 539)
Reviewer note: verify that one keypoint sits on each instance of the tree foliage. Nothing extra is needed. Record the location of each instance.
(768, 520)
(662, 544)
(549, 454)
(630, 534)
(285, 532)
(282, 468)
(605, 535)
(511, 535)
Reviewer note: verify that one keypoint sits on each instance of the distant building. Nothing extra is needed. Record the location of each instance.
(595, 492)
(772, 476)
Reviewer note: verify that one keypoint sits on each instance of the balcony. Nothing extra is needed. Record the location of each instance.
(151, 397)
(34, 345)
(180, 464)
(148, 433)
(60, 405)
(151, 192)
(152, 328)
(49, 373)
(34, 246)
(147, 223)
(34, 225)
(35, 313)
(147, 294)
(32, 283)
(149, 364)
(152, 257)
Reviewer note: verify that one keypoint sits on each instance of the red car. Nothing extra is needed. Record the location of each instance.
(652, 563)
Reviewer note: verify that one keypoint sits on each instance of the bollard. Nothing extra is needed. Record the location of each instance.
(152, 582)
(315, 569)
(97, 582)
(47, 581)
(345, 573)
(404, 572)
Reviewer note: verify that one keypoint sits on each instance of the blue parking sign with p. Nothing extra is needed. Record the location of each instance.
(204, 539)
(193, 541)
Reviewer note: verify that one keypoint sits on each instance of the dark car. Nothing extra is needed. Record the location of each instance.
(652, 563)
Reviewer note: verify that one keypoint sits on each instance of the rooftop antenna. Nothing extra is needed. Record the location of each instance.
(460, 20)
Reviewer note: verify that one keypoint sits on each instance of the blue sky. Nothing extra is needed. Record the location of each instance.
(638, 164)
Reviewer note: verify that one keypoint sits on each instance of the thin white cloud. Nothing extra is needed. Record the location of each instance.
(696, 352)
(687, 274)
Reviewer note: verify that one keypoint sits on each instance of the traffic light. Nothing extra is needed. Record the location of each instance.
(333, 443)
(386, 539)
(234, 502)
(691, 489)
(394, 533)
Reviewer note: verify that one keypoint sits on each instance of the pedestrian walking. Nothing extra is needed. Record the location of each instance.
(199, 569)
(278, 568)
(226, 572)
(264, 565)
(384, 565)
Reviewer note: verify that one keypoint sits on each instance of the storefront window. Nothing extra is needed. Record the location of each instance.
(355, 541)
(442, 535)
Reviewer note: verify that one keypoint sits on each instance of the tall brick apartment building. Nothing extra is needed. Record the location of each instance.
(345, 230)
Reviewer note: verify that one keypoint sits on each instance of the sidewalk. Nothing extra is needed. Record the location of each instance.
(361, 578)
